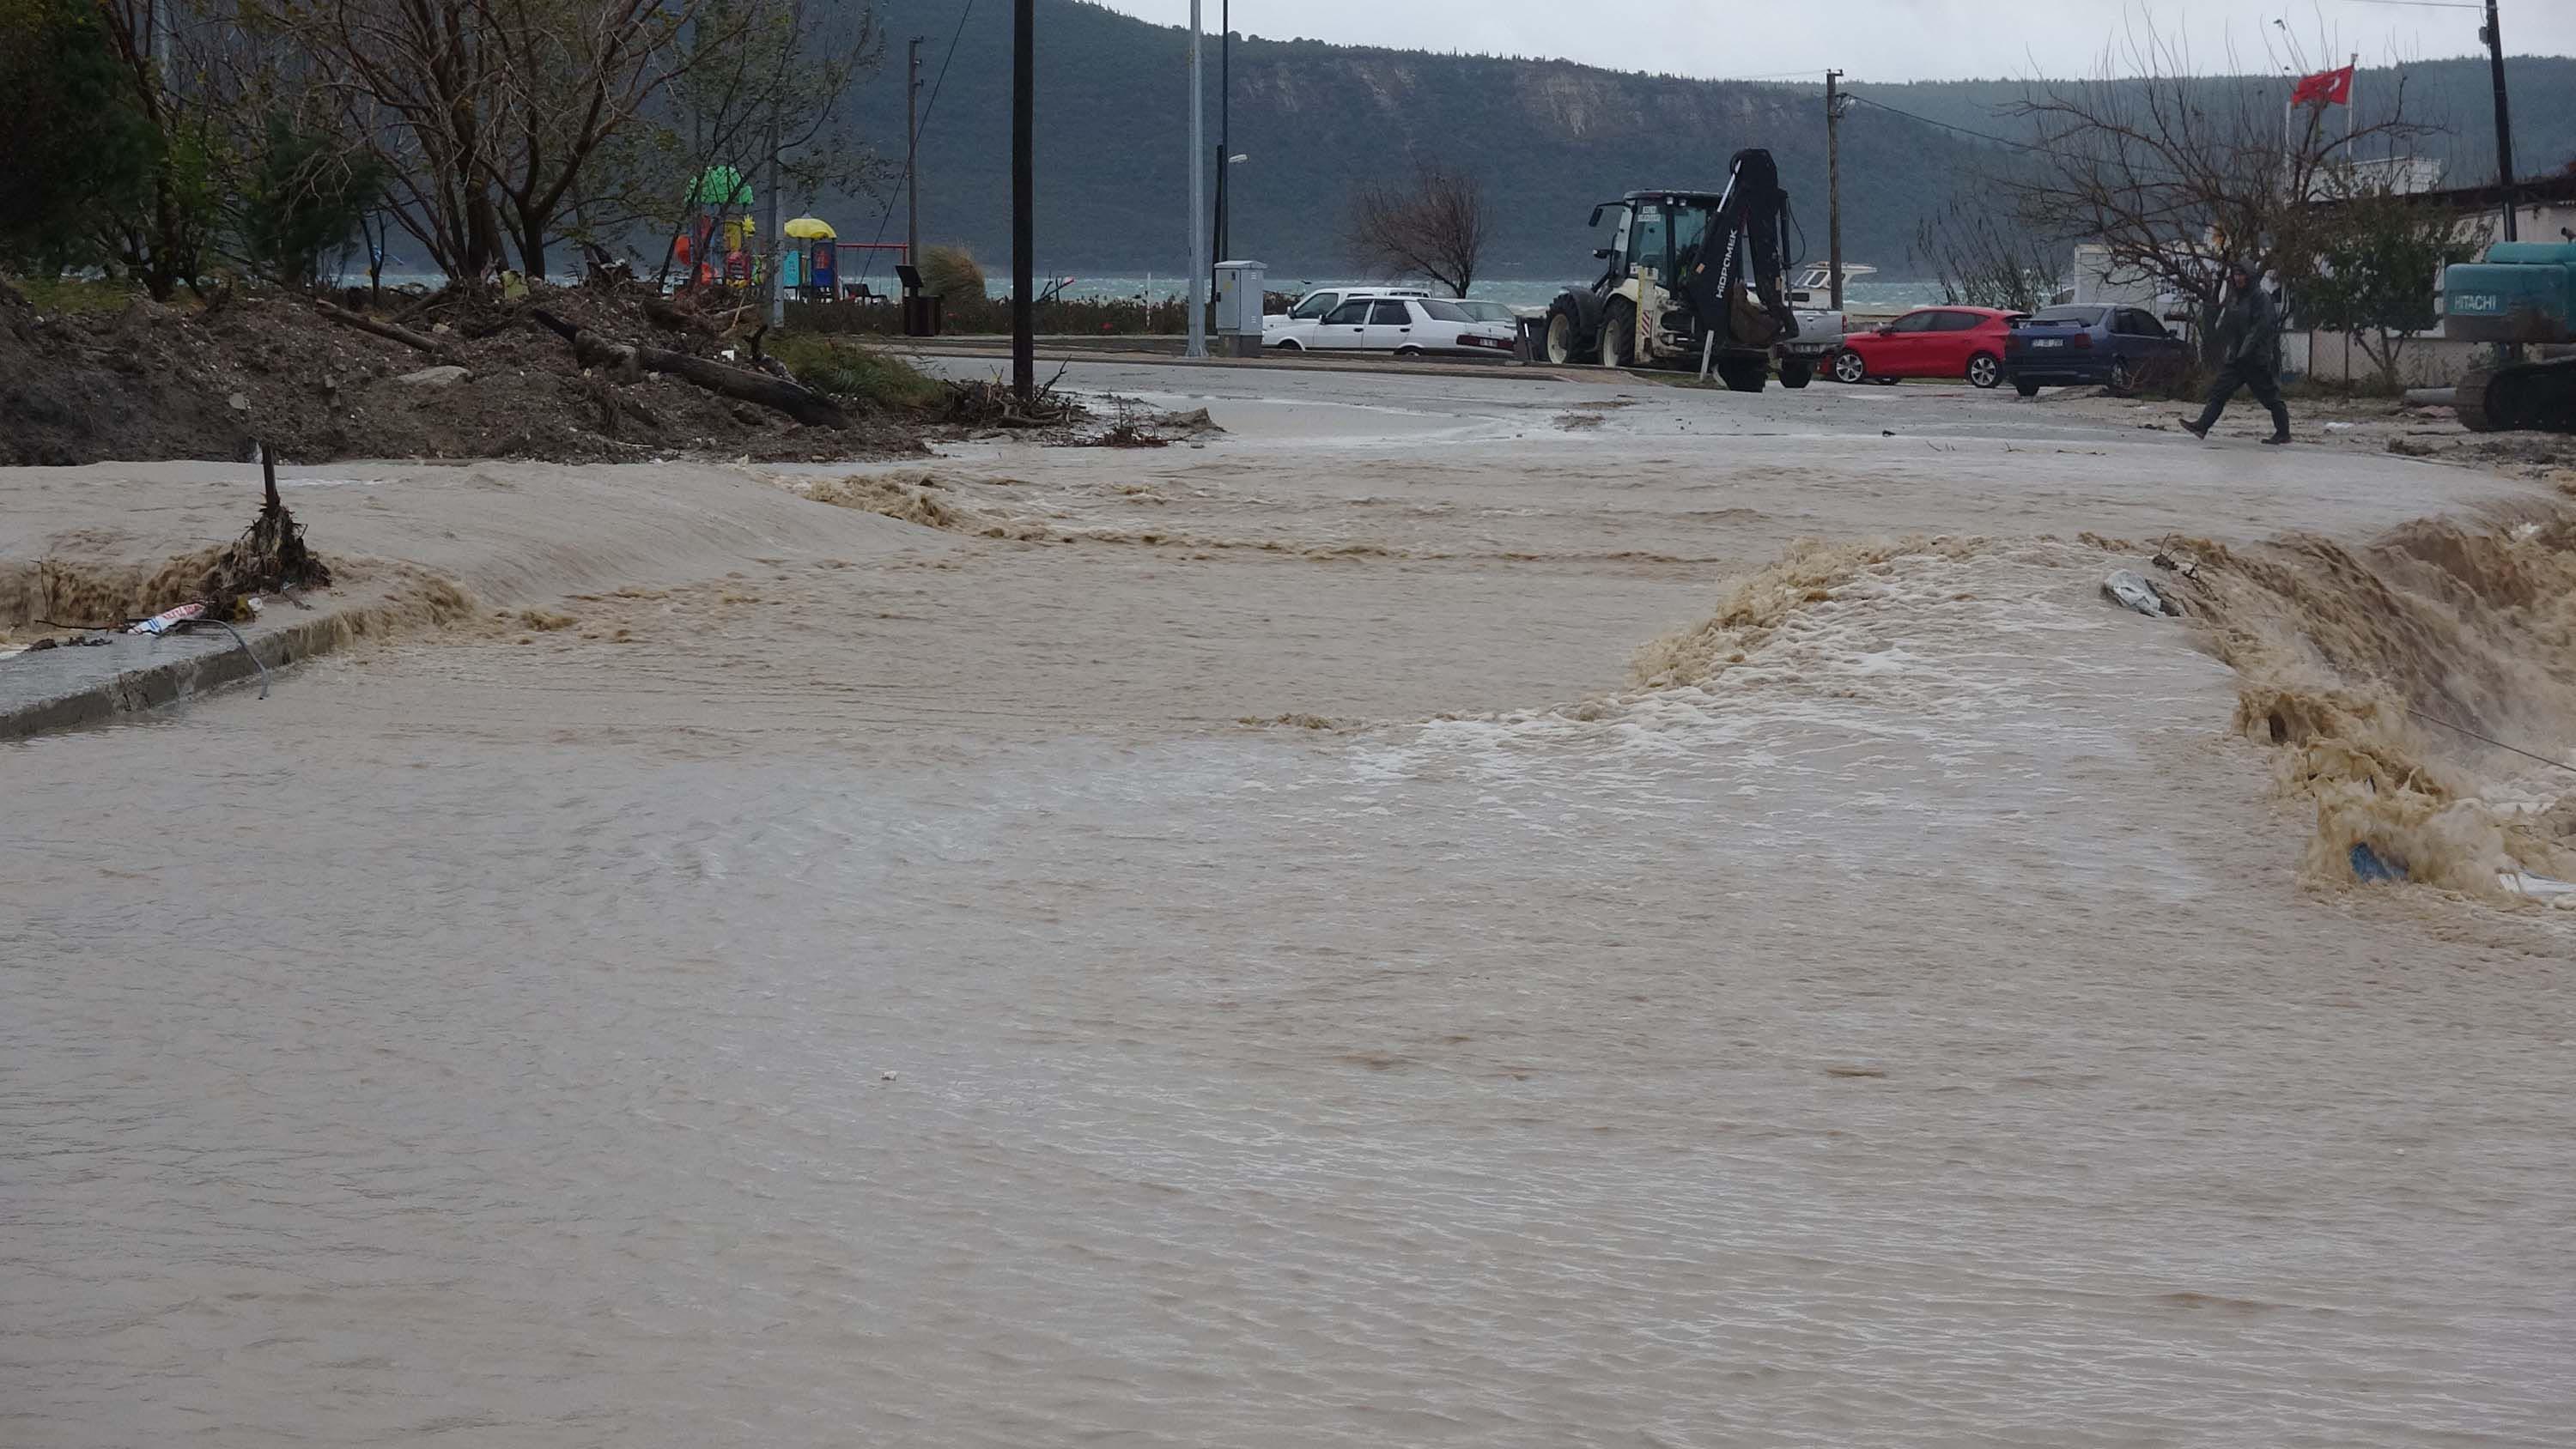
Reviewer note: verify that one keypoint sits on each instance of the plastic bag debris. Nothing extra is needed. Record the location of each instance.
(2130, 590)
(164, 621)
(2367, 866)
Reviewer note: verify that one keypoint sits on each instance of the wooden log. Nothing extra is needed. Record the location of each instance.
(778, 395)
(386, 330)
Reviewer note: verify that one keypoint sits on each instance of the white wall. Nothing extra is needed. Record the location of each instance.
(2428, 360)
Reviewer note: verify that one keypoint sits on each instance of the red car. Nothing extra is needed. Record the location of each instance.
(1929, 342)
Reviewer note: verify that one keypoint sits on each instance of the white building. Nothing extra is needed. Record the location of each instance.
(2544, 211)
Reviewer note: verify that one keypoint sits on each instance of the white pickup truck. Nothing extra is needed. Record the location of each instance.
(1820, 327)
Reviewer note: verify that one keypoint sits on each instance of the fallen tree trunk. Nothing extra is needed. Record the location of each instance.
(777, 394)
(386, 330)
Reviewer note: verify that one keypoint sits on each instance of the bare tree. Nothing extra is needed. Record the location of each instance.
(166, 56)
(485, 114)
(2175, 174)
(1434, 227)
(1985, 257)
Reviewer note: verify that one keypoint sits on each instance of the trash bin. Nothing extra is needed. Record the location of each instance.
(920, 309)
(1238, 307)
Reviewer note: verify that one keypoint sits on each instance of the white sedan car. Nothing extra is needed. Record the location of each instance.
(1318, 304)
(1405, 326)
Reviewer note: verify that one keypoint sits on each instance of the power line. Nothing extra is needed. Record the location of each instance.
(2135, 168)
(1770, 75)
(2499, 744)
(1944, 125)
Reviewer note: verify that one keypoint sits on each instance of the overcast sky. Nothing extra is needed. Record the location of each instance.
(1891, 40)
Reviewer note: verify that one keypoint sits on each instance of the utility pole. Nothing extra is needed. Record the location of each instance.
(912, 155)
(1834, 184)
(2493, 35)
(1024, 186)
(1198, 195)
(771, 242)
(1224, 129)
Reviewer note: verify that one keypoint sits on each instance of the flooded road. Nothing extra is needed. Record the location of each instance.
(1286, 980)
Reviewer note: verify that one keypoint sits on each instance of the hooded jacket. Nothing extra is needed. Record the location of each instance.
(2250, 326)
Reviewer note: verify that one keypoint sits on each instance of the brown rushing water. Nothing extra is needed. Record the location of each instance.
(885, 996)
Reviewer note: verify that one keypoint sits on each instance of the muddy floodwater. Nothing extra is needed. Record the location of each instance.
(1459, 911)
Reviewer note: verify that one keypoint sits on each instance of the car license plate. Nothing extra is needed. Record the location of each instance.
(2048, 342)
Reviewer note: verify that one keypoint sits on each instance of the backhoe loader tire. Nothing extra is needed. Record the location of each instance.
(1565, 340)
(1619, 333)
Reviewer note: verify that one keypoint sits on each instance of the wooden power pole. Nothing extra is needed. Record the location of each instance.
(2493, 35)
(1024, 173)
(1834, 185)
(912, 155)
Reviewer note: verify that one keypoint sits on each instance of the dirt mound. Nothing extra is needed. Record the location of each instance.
(153, 382)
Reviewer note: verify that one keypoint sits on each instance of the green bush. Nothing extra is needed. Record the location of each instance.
(859, 374)
(951, 272)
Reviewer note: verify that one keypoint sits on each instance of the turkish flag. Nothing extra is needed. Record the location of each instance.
(2325, 88)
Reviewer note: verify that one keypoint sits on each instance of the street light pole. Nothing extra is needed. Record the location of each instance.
(1198, 195)
(1024, 360)
(1224, 130)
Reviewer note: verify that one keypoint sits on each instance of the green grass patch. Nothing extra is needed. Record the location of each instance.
(845, 369)
(78, 295)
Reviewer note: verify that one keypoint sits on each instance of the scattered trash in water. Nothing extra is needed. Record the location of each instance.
(2182, 564)
(2537, 887)
(2132, 590)
(2369, 867)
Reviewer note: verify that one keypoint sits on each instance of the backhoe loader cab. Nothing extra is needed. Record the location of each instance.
(1691, 278)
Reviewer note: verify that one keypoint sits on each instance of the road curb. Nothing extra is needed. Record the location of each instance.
(1496, 371)
(66, 688)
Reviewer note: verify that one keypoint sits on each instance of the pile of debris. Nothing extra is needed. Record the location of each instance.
(575, 374)
(994, 403)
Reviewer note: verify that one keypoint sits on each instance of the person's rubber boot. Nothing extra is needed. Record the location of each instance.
(2277, 439)
(2193, 427)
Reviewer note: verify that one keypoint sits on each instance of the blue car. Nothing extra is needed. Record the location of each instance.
(2111, 346)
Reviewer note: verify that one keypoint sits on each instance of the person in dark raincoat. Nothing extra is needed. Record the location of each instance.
(2249, 336)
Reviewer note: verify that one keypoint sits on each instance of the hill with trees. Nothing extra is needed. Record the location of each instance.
(1319, 122)
(1546, 138)
(2456, 97)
